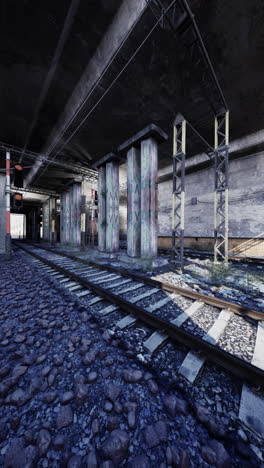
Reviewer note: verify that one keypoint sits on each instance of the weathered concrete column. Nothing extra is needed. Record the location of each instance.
(101, 208)
(149, 214)
(112, 206)
(133, 196)
(53, 214)
(108, 202)
(142, 233)
(133, 202)
(83, 214)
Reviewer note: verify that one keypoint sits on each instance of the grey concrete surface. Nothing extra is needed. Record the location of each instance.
(245, 200)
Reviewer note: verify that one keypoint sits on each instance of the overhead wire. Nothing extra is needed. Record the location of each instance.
(53, 67)
(78, 110)
(111, 85)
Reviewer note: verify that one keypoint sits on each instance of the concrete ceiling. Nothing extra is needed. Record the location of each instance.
(158, 83)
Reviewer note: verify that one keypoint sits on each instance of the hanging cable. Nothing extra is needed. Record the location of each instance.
(78, 110)
(60, 46)
(111, 85)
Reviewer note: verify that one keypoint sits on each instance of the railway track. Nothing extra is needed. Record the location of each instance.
(204, 325)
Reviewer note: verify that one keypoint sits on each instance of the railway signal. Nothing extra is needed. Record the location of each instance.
(17, 200)
(18, 176)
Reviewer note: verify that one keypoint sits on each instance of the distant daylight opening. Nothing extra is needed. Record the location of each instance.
(18, 226)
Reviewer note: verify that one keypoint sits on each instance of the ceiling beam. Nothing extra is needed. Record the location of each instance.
(124, 21)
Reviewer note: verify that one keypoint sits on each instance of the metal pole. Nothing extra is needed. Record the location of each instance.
(92, 216)
(221, 166)
(8, 234)
(178, 190)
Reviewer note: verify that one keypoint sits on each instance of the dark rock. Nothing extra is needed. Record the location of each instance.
(113, 391)
(20, 339)
(132, 376)
(59, 442)
(184, 459)
(4, 370)
(40, 359)
(18, 456)
(131, 420)
(75, 461)
(79, 378)
(118, 408)
(15, 421)
(29, 359)
(107, 464)
(35, 384)
(108, 406)
(64, 417)
(217, 430)
(3, 431)
(151, 437)
(91, 377)
(46, 371)
(57, 360)
(223, 459)
(90, 357)
(130, 406)
(112, 423)
(106, 373)
(203, 414)
(66, 397)
(18, 398)
(18, 371)
(109, 361)
(141, 461)
(29, 437)
(209, 455)
(91, 460)
(49, 397)
(172, 456)
(115, 447)
(153, 387)
(175, 405)
(52, 376)
(156, 433)
(107, 336)
(95, 426)
(81, 392)
(43, 441)
(243, 449)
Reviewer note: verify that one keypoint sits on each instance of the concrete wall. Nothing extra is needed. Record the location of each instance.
(246, 201)
(246, 207)
(2, 213)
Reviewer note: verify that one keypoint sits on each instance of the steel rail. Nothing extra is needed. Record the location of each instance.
(235, 365)
(213, 301)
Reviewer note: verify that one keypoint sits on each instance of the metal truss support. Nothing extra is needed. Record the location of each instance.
(221, 142)
(178, 190)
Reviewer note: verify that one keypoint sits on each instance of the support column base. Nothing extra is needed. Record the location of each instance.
(8, 242)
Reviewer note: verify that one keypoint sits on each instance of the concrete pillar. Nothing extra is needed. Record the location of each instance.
(112, 206)
(71, 216)
(102, 208)
(83, 214)
(133, 202)
(143, 175)
(108, 202)
(53, 214)
(149, 215)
